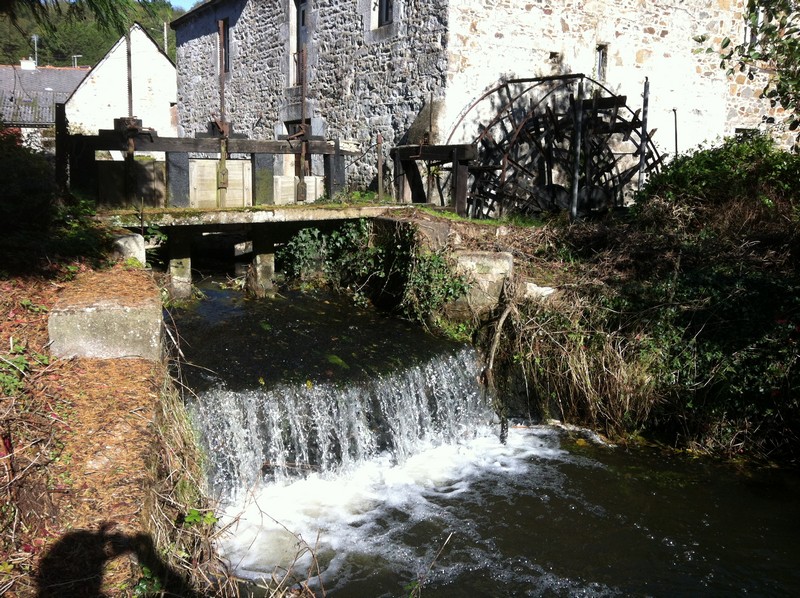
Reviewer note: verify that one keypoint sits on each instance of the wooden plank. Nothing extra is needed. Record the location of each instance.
(239, 184)
(605, 103)
(203, 183)
(414, 179)
(110, 140)
(442, 153)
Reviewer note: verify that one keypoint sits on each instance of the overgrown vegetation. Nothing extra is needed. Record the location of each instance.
(27, 199)
(771, 46)
(393, 272)
(41, 230)
(180, 516)
(47, 241)
(86, 29)
(683, 318)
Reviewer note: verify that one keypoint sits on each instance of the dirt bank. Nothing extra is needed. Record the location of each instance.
(75, 444)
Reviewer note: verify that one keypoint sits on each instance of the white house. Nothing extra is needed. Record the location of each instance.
(103, 95)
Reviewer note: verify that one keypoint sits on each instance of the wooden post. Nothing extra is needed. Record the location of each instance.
(222, 174)
(576, 151)
(460, 176)
(62, 150)
(380, 167)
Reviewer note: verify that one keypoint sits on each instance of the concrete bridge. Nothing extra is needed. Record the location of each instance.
(264, 226)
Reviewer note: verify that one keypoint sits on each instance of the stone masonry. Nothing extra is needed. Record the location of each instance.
(421, 70)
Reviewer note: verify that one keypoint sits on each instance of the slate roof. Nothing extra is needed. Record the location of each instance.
(28, 97)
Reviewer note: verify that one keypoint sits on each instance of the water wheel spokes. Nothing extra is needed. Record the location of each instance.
(526, 135)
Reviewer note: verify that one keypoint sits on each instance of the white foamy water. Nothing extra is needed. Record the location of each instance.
(369, 511)
(291, 429)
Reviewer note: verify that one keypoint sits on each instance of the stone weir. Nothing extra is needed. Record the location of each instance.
(263, 226)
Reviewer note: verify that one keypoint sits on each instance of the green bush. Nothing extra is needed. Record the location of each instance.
(28, 185)
(683, 320)
(344, 259)
(391, 272)
(748, 165)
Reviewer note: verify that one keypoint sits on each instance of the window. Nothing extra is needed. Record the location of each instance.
(601, 64)
(298, 40)
(385, 12)
(225, 45)
(380, 19)
(753, 27)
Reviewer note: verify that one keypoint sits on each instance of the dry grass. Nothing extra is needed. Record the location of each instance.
(574, 372)
(77, 515)
(177, 484)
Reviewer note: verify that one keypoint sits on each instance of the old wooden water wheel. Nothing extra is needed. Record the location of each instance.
(551, 143)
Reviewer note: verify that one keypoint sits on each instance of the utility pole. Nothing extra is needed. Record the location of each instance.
(35, 40)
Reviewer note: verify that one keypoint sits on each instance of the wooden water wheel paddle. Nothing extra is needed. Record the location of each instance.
(554, 143)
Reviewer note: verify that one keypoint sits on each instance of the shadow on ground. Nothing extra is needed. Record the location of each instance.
(74, 566)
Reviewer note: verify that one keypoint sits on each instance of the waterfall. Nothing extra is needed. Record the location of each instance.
(286, 431)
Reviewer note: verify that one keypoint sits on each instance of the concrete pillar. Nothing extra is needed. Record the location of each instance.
(335, 172)
(177, 179)
(180, 264)
(263, 179)
(260, 278)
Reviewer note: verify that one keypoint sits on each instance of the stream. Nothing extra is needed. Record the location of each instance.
(358, 453)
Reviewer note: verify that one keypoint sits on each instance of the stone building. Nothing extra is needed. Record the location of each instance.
(407, 69)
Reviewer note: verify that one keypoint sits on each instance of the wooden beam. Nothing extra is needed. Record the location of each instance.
(604, 103)
(441, 153)
(411, 173)
(111, 140)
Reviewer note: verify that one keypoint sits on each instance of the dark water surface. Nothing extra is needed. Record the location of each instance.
(549, 513)
(249, 343)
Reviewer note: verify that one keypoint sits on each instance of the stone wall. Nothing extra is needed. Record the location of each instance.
(362, 80)
(661, 40)
(437, 56)
(368, 81)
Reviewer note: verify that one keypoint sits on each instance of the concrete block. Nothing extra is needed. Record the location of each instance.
(433, 235)
(107, 330)
(486, 272)
(108, 314)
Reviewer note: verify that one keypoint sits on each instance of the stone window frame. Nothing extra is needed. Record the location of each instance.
(750, 37)
(296, 68)
(225, 44)
(377, 29)
(601, 62)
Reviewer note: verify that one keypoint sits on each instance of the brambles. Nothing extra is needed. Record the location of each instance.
(683, 317)
(430, 283)
(28, 189)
